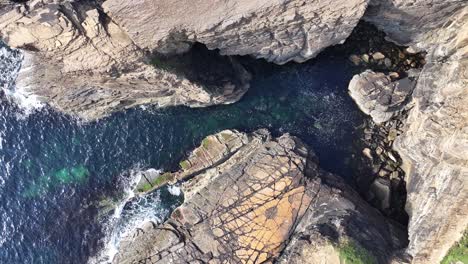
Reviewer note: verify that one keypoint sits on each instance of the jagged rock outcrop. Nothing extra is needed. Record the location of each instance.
(81, 62)
(247, 206)
(434, 146)
(90, 60)
(378, 96)
(278, 31)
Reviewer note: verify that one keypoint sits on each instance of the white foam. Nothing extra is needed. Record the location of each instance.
(122, 222)
(21, 94)
(174, 190)
(27, 102)
(14, 63)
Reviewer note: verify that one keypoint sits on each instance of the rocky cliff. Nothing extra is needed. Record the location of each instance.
(278, 31)
(90, 60)
(435, 142)
(266, 199)
(77, 59)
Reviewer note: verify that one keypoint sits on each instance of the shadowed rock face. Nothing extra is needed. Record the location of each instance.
(247, 207)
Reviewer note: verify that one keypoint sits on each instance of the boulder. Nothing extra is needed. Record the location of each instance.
(378, 96)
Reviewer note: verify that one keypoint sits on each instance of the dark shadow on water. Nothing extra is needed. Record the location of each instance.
(204, 67)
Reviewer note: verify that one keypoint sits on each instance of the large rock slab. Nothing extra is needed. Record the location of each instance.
(248, 205)
(276, 30)
(435, 142)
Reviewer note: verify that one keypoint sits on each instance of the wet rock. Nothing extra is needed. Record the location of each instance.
(378, 96)
(257, 206)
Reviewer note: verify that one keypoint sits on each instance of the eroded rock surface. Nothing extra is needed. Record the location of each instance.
(435, 142)
(81, 62)
(278, 31)
(246, 207)
(378, 96)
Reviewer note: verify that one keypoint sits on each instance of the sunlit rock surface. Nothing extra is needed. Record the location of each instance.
(378, 96)
(278, 31)
(246, 207)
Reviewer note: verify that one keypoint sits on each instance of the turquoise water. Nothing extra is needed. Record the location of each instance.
(60, 179)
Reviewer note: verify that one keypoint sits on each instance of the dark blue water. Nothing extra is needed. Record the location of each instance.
(60, 179)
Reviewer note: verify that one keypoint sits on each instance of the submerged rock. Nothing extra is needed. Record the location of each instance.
(378, 96)
(264, 198)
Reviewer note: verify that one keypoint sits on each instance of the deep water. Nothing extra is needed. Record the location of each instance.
(61, 179)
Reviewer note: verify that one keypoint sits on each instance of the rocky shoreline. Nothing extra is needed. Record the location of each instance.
(259, 199)
(91, 58)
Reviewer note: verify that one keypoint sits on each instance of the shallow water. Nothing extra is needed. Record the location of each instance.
(62, 182)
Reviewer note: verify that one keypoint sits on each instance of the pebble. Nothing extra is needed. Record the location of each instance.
(365, 58)
(392, 134)
(383, 173)
(392, 157)
(411, 50)
(401, 55)
(394, 175)
(378, 56)
(378, 150)
(367, 153)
